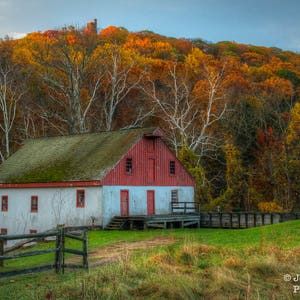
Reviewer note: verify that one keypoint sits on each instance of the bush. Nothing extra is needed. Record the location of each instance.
(270, 206)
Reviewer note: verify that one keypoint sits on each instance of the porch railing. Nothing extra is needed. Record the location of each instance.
(185, 207)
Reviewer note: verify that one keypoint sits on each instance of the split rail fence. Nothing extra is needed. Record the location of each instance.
(59, 250)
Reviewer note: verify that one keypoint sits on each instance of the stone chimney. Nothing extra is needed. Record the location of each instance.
(91, 27)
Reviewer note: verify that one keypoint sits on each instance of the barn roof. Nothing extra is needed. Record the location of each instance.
(80, 157)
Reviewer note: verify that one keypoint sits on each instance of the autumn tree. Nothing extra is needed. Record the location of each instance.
(234, 197)
(293, 144)
(11, 91)
(64, 63)
(189, 159)
(210, 93)
(121, 72)
(190, 99)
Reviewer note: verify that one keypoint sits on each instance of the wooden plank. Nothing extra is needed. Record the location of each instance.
(27, 236)
(190, 223)
(73, 251)
(156, 225)
(26, 271)
(25, 254)
(71, 236)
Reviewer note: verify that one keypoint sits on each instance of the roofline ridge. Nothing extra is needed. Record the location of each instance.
(91, 133)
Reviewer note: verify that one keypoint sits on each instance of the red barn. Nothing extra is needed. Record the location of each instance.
(77, 179)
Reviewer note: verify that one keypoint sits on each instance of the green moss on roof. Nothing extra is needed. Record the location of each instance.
(69, 158)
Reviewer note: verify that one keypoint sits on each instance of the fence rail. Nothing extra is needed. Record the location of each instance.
(243, 219)
(59, 261)
(185, 207)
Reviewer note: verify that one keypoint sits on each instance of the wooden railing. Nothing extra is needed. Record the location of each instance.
(59, 259)
(222, 219)
(246, 219)
(185, 207)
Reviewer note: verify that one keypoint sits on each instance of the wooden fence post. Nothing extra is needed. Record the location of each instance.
(1, 253)
(246, 219)
(85, 250)
(63, 248)
(271, 216)
(59, 250)
(231, 216)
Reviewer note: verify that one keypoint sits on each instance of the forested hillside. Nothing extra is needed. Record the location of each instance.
(230, 111)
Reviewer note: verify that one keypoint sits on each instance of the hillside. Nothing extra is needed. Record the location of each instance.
(180, 264)
(229, 111)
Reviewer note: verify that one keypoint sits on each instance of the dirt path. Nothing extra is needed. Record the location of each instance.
(119, 251)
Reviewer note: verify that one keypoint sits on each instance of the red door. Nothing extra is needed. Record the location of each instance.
(124, 203)
(150, 203)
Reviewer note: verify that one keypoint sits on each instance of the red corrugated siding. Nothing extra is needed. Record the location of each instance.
(145, 153)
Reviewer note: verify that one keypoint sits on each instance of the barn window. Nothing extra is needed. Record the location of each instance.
(80, 198)
(174, 196)
(128, 166)
(32, 231)
(3, 231)
(4, 203)
(34, 203)
(172, 167)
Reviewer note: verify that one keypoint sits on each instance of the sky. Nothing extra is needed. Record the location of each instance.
(271, 23)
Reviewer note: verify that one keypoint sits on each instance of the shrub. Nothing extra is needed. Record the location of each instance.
(270, 206)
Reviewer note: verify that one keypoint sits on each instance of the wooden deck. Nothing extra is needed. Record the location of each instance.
(188, 214)
(155, 221)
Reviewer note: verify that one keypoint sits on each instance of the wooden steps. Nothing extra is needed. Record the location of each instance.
(117, 223)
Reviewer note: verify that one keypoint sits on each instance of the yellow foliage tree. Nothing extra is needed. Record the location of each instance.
(269, 206)
(234, 197)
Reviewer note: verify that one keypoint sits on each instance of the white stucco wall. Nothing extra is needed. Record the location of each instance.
(58, 205)
(138, 199)
(55, 206)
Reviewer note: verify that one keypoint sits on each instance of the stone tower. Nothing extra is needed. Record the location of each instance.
(91, 27)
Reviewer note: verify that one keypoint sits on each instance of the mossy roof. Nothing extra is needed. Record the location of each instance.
(69, 158)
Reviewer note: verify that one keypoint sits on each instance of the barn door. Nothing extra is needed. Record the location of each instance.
(151, 170)
(150, 202)
(124, 203)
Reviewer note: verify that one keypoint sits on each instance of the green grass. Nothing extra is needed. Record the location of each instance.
(201, 264)
(285, 234)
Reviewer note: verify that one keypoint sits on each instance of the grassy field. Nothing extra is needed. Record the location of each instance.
(194, 264)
